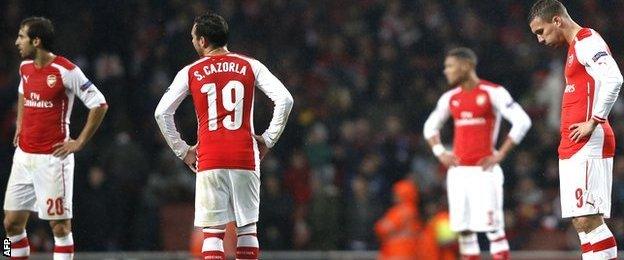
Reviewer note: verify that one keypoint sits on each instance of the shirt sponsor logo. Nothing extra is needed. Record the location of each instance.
(470, 121)
(35, 101)
(570, 59)
(51, 80)
(569, 88)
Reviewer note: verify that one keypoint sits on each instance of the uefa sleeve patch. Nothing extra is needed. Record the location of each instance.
(510, 104)
(85, 86)
(600, 55)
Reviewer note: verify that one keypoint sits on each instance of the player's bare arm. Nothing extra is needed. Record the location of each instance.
(18, 121)
(445, 157)
(262, 146)
(190, 159)
(488, 162)
(96, 115)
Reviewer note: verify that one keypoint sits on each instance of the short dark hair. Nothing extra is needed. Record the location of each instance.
(464, 54)
(546, 10)
(42, 28)
(213, 28)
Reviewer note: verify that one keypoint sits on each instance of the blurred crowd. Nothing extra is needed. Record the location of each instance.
(364, 75)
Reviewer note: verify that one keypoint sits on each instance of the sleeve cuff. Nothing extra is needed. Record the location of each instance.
(599, 119)
(267, 140)
(184, 151)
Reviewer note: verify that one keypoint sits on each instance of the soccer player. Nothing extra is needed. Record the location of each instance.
(227, 157)
(587, 144)
(43, 165)
(474, 178)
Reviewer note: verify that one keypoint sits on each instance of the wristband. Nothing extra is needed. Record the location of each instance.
(438, 149)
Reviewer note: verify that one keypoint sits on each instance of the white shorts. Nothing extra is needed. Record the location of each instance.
(225, 195)
(42, 183)
(585, 186)
(475, 198)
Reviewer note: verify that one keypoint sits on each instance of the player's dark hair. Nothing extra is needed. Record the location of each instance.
(546, 10)
(213, 28)
(464, 54)
(42, 28)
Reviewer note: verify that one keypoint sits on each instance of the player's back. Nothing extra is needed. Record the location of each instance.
(223, 87)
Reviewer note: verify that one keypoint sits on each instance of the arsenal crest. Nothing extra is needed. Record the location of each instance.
(51, 80)
(481, 100)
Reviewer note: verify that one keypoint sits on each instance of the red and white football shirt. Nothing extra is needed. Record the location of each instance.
(48, 100)
(593, 82)
(222, 87)
(476, 115)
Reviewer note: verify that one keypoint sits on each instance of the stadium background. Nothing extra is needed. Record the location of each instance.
(364, 76)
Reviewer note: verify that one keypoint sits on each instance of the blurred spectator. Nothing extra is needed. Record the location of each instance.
(96, 204)
(275, 229)
(363, 209)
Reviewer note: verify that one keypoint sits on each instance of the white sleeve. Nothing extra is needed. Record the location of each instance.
(594, 54)
(77, 83)
(512, 112)
(174, 95)
(282, 100)
(20, 88)
(438, 117)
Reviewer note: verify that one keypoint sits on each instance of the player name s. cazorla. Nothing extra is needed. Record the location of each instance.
(220, 67)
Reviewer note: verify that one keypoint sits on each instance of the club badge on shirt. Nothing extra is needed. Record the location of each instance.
(51, 80)
(481, 100)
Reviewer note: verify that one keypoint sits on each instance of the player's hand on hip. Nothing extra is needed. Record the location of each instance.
(448, 159)
(65, 148)
(190, 159)
(262, 147)
(579, 131)
(488, 162)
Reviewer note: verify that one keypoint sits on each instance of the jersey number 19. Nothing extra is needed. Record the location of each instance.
(234, 107)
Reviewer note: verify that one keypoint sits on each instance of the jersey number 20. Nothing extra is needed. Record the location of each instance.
(234, 107)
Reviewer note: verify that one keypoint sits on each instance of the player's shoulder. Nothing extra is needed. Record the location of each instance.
(254, 63)
(26, 67)
(590, 45)
(488, 85)
(64, 63)
(26, 63)
(585, 33)
(451, 92)
(587, 37)
(241, 56)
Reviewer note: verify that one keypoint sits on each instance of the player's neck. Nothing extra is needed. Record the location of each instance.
(471, 82)
(216, 51)
(572, 31)
(43, 58)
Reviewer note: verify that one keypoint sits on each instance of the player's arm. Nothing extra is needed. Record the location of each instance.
(169, 103)
(520, 125)
(594, 54)
(283, 103)
(20, 111)
(18, 120)
(78, 84)
(431, 131)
